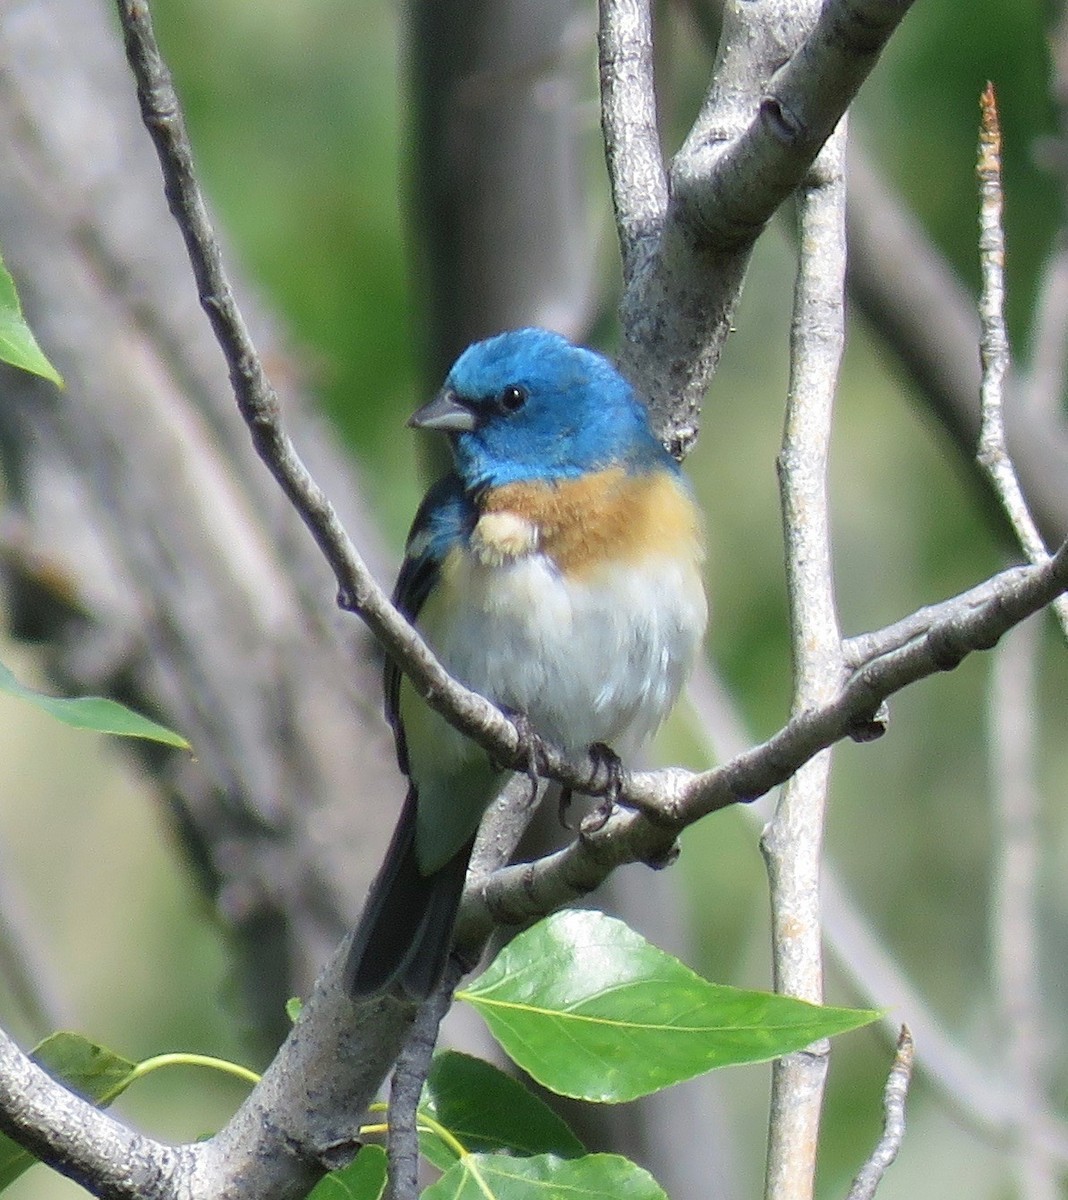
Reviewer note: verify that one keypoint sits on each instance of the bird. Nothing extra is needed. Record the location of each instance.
(556, 570)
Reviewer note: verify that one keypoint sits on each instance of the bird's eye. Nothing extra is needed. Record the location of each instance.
(512, 397)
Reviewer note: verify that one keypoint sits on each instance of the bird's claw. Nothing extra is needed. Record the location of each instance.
(606, 760)
(529, 745)
(564, 803)
(607, 765)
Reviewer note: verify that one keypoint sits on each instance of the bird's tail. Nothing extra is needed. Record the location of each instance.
(405, 931)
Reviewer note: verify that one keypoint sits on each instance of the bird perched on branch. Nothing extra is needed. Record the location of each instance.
(556, 570)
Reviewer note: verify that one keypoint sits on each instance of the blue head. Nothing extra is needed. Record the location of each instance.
(531, 405)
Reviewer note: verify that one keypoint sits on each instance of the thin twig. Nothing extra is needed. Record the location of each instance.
(793, 841)
(894, 1096)
(406, 1090)
(992, 453)
(665, 802)
(974, 620)
(867, 648)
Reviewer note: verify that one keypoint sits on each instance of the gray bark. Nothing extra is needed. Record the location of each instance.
(144, 544)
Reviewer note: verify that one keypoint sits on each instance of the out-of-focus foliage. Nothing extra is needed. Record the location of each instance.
(297, 119)
(297, 114)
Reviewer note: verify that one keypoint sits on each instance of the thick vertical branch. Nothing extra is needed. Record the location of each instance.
(629, 123)
(793, 841)
(785, 74)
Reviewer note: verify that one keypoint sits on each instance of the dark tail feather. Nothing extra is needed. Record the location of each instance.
(406, 928)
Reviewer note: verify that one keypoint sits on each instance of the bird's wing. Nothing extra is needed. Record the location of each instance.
(445, 518)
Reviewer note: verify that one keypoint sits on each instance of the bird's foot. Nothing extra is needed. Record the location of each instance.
(608, 762)
(529, 746)
(563, 806)
(607, 765)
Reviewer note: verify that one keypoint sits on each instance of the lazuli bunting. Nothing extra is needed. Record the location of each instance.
(556, 570)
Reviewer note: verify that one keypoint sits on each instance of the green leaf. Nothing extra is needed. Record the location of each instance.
(363, 1179)
(93, 712)
(92, 1071)
(18, 346)
(485, 1110)
(590, 1009)
(499, 1177)
(14, 1161)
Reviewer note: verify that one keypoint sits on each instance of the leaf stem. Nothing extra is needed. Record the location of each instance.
(184, 1059)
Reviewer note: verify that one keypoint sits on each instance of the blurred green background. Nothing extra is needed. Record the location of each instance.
(297, 111)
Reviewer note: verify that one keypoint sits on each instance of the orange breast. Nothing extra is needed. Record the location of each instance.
(607, 516)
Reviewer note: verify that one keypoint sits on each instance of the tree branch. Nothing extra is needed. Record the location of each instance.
(731, 189)
(630, 126)
(993, 451)
(1013, 692)
(304, 1116)
(760, 128)
(894, 1096)
(79, 1140)
(664, 802)
(301, 1118)
(406, 1089)
(793, 841)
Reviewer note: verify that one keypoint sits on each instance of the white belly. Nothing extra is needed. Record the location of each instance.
(597, 660)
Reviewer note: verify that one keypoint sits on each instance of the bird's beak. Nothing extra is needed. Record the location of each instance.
(446, 411)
